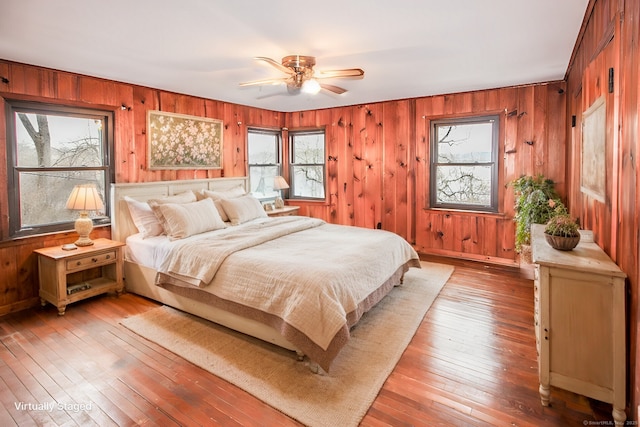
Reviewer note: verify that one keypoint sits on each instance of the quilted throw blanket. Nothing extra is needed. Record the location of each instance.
(197, 262)
(309, 280)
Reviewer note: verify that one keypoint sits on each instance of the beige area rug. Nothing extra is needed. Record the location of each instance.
(338, 398)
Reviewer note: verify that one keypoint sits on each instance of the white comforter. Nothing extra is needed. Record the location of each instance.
(310, 279)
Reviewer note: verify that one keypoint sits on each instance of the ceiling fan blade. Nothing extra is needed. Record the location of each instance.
(275, 64)
(266, 82)
(332, 88)
(299, 74)
(347, 72)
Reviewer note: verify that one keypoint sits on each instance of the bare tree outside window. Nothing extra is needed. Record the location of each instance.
(53, 152)
(308, 165)
(264, 162)
(464, 164)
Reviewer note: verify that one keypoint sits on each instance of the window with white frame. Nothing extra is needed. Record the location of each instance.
(464, 163)
(307, 164)
(50, 150)
(263, 151)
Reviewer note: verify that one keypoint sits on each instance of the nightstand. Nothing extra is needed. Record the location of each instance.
(70, 276)
(285, 211)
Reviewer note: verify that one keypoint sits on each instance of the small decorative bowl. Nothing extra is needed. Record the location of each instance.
(562, 243)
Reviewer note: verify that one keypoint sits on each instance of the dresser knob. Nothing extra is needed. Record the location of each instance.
(108, 257)
(94, 259)
(78, 263)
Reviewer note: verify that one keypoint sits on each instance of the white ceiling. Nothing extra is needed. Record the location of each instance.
(407, 48)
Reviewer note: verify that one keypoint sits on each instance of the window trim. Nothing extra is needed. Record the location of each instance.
(493, 207)
(277, 133)
(12, 106)
(292, 164)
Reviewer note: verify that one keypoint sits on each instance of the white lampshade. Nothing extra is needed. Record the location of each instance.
(279, 183)
(84, 198)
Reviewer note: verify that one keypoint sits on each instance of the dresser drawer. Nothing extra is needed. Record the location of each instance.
(95, 259)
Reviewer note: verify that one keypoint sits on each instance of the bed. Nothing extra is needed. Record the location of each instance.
(297, 282)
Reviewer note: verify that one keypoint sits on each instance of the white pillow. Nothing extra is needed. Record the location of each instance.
(243, 209)
(186, 197)
(143, 217)
(187, 219)
(218, 196)
(230, 193)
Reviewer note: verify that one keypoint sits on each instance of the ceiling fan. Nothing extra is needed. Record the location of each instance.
(301, 77)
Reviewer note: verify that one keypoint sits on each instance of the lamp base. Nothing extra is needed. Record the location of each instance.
(83, 242)
(83, 226)
(279, 203)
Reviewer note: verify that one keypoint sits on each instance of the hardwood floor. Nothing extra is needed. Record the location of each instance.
(471, 363)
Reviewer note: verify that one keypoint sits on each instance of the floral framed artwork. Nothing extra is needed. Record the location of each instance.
(178, 141)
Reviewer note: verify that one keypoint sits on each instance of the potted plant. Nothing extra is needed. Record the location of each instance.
(562, 231)
(536, 201)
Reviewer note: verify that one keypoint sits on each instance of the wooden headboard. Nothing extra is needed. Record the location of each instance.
(122, 225)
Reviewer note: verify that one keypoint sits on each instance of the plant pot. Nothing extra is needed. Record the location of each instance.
(562, 243)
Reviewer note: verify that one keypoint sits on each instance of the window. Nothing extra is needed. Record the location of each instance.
(307, 164)
(50, 149)
(464, 163)
(263, 148)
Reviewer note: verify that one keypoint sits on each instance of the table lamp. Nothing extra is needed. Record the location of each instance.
(279, 184)
(84, 198)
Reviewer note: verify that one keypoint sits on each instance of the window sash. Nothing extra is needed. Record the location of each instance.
(26, 214)
(301, 186)
(262, 173)
(451, 196)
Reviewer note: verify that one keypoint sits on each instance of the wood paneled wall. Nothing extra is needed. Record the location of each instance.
(18, 276)
(378, 165)
(378, 155)
(609, 41)
(377, 159)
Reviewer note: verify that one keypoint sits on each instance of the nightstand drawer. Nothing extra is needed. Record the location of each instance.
(96, 259)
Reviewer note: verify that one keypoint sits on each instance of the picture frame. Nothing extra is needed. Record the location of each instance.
(179, 141)
(593, 162)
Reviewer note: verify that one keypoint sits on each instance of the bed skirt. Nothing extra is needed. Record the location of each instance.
(300, 341)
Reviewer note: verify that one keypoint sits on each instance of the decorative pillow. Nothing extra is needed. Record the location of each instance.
(186, 197)
(143, 217)
(217, 196)
(231, 193)
(187, 219)
(243, 209)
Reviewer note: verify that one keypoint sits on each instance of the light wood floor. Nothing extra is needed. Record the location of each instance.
(471, 363)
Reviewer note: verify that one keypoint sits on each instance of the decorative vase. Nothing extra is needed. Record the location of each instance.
(562, 243)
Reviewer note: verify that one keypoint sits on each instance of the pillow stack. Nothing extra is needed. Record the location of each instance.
(218, 196)
(235, 205)
(178, 216)
(186, 214)
(188, 219)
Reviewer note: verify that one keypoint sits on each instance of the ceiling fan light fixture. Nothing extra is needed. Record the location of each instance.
(311, 86)
(300, 76)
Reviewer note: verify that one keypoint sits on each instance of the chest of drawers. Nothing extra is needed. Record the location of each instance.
(579, 315)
